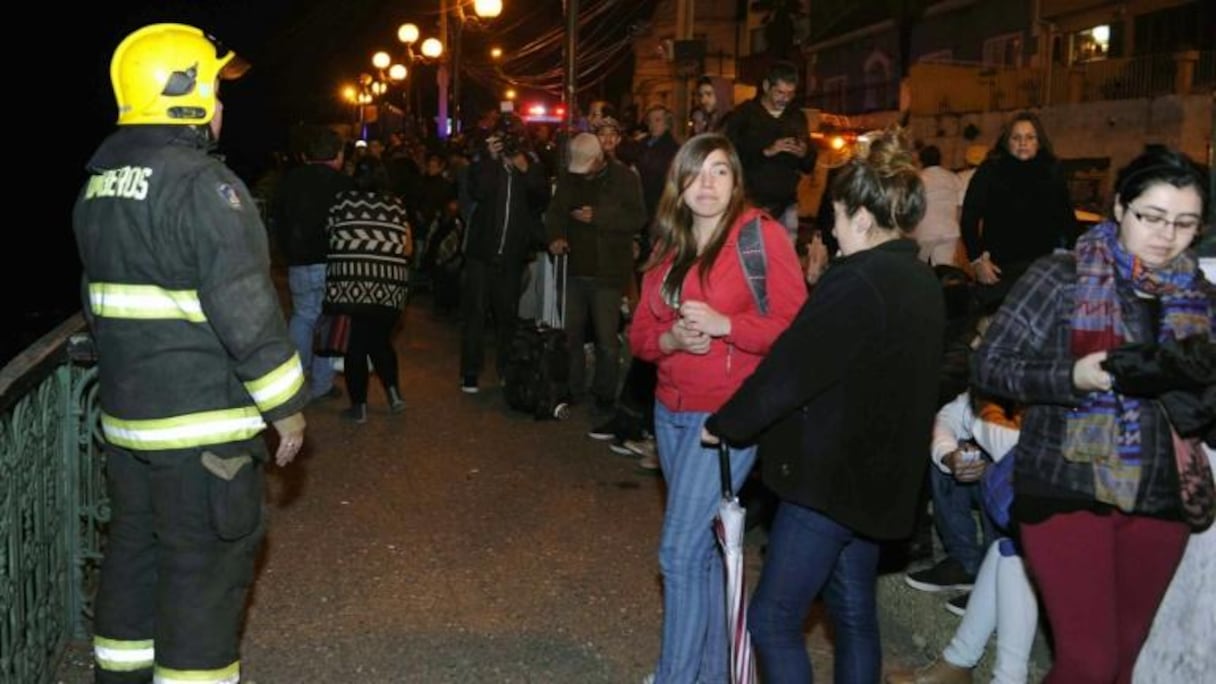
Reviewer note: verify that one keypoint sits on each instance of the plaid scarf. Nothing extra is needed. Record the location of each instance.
(1105, 431)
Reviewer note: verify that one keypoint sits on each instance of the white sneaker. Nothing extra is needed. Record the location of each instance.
(648, 679)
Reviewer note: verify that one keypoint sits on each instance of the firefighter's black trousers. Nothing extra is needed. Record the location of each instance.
(180, 553)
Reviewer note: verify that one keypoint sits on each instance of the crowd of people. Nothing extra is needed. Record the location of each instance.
(1087, 391)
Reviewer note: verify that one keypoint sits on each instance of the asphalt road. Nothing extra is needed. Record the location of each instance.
(457, 542)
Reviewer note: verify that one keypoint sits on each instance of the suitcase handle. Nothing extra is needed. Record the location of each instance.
(555, 317)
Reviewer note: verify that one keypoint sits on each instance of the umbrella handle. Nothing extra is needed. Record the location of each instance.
(724, 470)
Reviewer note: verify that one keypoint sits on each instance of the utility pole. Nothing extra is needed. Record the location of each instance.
(569, 95)
(442, 74)
(457, 40)
(685, 11)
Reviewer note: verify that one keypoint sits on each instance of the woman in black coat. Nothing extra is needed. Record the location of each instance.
(843, 407)
(1017, 207)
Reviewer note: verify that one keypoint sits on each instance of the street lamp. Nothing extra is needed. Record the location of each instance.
(445, 50)
(487, 9)
(432, 48)
(408, 34)
(359, 96)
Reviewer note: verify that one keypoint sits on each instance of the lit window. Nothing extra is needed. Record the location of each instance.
(1091, 44)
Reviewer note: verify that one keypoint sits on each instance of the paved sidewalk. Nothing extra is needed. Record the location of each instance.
(457, 542)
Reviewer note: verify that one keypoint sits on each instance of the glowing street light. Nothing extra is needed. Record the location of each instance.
(487, 9)
(495, 53)
(408, 33)
(381, 60)
(510, 94)
(432, 48)
(398, 72)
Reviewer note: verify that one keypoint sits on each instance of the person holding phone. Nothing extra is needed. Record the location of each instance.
(770, 132)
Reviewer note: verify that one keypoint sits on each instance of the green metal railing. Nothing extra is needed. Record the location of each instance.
(53, 506)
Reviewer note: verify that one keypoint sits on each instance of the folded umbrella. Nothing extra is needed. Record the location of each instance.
(729, 527)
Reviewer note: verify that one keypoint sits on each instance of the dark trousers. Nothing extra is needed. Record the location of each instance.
(493, 287)
(954, 507)
(808, 552)
(1101, 578)
(178, 562)
(635, 410)
(599, 301)
(371, 335)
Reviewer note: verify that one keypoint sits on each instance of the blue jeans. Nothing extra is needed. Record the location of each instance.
(809, 552)
(953, 506)
(307, 285)
(696, 647)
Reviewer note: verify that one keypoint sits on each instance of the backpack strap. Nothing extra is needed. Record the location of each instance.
(750, 247)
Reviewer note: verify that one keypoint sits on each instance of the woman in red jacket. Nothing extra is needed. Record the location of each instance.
(700, 322)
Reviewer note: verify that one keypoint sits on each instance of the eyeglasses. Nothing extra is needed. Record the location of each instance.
(1183, 224)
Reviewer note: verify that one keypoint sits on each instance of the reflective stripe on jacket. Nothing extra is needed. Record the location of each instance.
(191, 341)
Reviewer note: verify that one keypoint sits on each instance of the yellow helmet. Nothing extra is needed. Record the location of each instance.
(167, 73)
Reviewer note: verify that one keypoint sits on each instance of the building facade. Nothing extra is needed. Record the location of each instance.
(1106, 77)
(667, 66)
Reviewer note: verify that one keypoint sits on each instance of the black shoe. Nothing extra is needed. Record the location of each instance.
(946, 575)
(605, 431)
(356, 413)
(469, 384)
(334, 392)
(958, 604)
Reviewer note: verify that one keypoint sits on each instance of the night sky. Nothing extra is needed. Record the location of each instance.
(301, 51)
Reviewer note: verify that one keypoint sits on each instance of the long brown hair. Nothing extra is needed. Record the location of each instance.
(673, 219)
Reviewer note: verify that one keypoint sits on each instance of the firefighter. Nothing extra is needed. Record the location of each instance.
(194, 362)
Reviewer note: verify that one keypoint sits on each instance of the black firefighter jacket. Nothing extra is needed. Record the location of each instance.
(191, 341)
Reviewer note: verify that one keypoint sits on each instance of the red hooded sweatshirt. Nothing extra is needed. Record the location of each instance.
(703, 382)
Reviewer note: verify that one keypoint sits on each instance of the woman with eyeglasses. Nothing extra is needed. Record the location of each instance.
(1017, 207)
(1097, 496)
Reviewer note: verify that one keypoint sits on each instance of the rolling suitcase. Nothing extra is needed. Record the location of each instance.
(538, 363)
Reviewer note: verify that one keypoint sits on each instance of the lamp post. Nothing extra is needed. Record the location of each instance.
(359, 96)
(445, 51)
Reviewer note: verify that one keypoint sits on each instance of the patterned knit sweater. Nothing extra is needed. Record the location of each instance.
(369, 236)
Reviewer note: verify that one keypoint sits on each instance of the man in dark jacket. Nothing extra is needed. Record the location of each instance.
(594, 215)
(299, 213)
(511, 191)
(774, 145)
(654, 152)
(194, 361)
